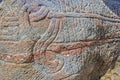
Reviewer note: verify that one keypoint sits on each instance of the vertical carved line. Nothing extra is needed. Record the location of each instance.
(42, 44)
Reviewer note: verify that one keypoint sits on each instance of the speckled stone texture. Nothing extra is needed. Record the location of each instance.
(113, 74)
(59, 39)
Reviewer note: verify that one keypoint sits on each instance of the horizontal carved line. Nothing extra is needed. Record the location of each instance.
(27, 58)
(82, 15)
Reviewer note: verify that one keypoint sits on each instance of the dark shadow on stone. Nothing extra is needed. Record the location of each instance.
(113, 5)
(0, 1)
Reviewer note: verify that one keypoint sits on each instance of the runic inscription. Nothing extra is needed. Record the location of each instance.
(59, 39)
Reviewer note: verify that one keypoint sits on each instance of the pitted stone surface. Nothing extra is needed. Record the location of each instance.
(58, 39)
(113, 74)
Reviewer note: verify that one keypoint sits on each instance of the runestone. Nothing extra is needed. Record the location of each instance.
(59, 39)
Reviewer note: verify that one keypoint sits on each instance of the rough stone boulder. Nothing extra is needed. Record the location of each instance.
(58, 39)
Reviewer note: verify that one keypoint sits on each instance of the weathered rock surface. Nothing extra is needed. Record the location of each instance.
(113, 74)
(58, 39)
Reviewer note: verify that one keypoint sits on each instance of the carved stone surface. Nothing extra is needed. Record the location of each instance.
(113, 74)
(58, 39)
